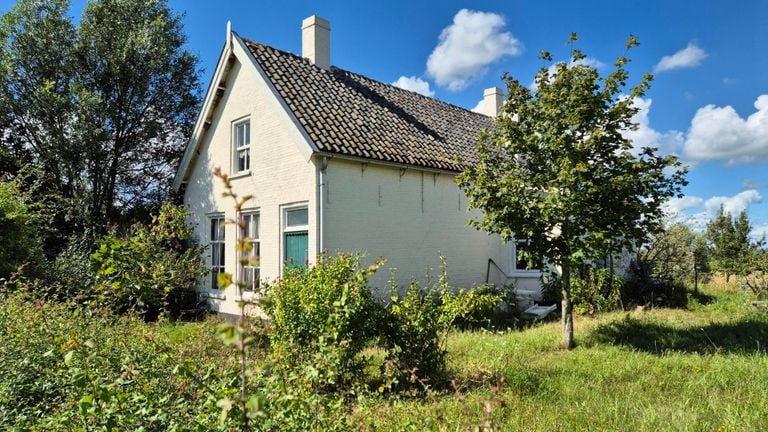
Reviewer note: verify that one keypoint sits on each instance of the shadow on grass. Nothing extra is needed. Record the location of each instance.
(702, 298)
(747, 336)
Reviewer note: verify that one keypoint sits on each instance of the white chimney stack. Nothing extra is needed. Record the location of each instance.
(492, 100)
(316, 41)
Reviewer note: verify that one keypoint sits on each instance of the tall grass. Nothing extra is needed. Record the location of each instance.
(700, 368)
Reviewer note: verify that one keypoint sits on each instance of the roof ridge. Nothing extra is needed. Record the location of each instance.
(298, 57)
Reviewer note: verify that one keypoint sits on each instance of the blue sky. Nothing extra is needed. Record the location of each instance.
(699, 106)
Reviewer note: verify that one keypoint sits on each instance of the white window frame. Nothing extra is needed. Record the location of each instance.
(237, 148)
(513, 262)
(255, 247)
(287, 229)
(218, 243)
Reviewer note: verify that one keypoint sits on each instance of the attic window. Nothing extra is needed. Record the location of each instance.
(242, 144)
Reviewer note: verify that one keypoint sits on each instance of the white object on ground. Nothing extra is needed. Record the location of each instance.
(540, 312)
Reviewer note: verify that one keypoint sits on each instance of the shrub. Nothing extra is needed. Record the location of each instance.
(150, 269)
(641, 287)
(327, 303)
(72, 274)
(471, 308)
(20, 225)
(66, 368)
(413, 333)
(594, 291)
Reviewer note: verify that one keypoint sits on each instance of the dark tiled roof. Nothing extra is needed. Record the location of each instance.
(346, 113)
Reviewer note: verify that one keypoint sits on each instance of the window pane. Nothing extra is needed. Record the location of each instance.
(298, 217)
(243, 160)
(253, 228)
(221, 230)
(248, 133)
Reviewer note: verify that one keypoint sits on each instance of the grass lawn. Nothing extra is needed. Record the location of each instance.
(704, 368)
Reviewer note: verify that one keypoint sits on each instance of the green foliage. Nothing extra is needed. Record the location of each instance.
(20, 225)
(150, 269)
(594, 291)
(104, 123)
(730, 244)
(756, 280)
(471, 308)
(413, 336)
(558, 171)
(66, 368)
(327, 303)
(72, 274)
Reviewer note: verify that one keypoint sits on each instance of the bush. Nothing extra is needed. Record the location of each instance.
(327, 303)
(66, 368)
(20, 225)
(72, 274)
(594, 291)
(152, 268)
(413, 334)
(641, 287)
(471, 308)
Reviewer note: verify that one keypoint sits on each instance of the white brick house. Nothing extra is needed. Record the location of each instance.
(335, 160)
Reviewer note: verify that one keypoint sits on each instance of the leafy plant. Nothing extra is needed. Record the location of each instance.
(151, 268)
(20, 224)
(327, 303)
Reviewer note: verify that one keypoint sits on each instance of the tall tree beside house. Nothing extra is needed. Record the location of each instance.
(730, 244)
(558, 171)
(103, 108)
(142, 92)
(38, 101)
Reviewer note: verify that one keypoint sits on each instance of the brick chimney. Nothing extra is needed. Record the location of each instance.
(492, 100)
(316, 41)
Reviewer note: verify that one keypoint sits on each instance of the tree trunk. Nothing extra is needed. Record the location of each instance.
(727, 277)
(567, 308)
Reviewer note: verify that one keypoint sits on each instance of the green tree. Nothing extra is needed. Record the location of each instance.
(102, 108)
(730, 243)
(558, 171)
(140, 98)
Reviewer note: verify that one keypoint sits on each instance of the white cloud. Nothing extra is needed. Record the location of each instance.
(645, 136)
(679, 205)
(688, 57)
(466, 47)
(720, 133)
(760, 231)
(414, 84)
(696, 212)
(733, 204)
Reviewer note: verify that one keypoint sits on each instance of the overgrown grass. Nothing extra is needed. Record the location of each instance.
(700, 368)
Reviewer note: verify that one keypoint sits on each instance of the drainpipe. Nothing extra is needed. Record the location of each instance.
(321, 216)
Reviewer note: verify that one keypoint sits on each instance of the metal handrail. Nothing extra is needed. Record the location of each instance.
(488, 271)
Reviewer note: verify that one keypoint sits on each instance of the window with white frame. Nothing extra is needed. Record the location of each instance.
(250, 269)
(296, 236)
(218, 247)
(522, 260)
(242, 146)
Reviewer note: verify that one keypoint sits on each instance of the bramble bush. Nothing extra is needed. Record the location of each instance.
(151, 269)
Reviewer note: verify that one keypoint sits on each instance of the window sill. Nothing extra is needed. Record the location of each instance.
(247, 296)
(240, 175)
(215, 295)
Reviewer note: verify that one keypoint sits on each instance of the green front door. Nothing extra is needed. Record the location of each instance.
(296, 248)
